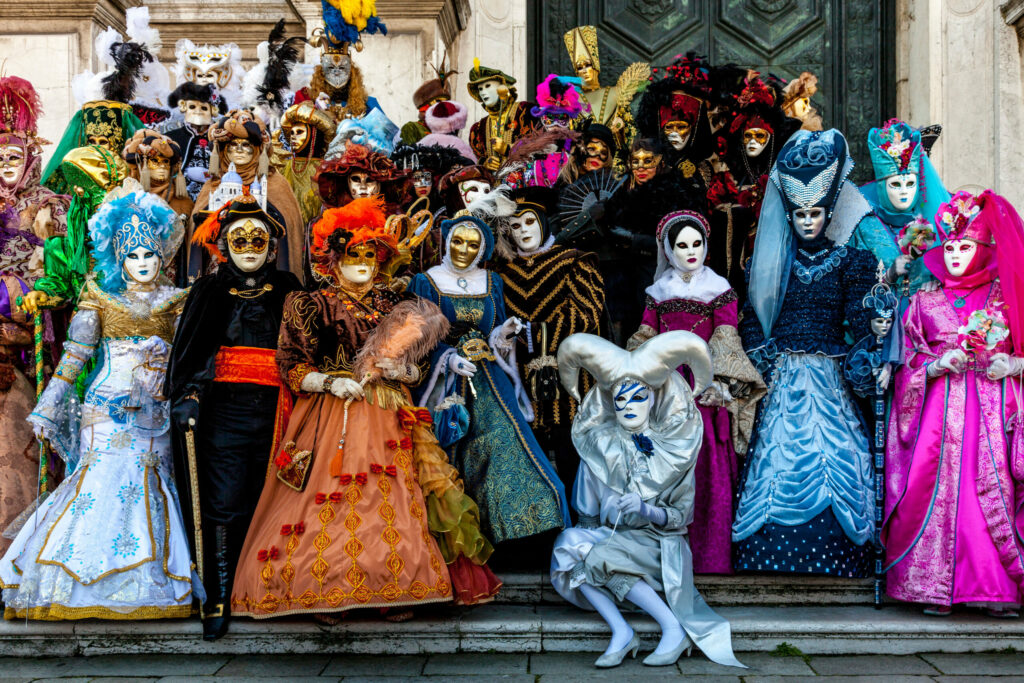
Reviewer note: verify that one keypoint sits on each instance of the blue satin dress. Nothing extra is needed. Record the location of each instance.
(503, 466)
(806, 501)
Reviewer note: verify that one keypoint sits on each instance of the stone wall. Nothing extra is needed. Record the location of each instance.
(959, 64)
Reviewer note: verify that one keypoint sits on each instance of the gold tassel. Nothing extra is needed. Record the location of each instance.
(180, 188)
(264, 165)
(215, 161)
(144, 174)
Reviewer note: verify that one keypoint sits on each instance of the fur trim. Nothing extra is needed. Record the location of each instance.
(411, 331)
(451, 142)
(446, 118)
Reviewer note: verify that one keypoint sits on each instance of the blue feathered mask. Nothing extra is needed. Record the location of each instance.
(129, 219)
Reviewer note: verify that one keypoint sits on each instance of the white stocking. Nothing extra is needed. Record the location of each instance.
(647, 599)
(622, 633)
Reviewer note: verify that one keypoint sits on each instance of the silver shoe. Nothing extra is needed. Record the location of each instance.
(670, 658)
(613, 659)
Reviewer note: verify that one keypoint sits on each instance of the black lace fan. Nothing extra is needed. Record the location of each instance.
(594, 187)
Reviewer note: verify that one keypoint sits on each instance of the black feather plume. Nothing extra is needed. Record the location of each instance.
(129, 59)
(283, 55)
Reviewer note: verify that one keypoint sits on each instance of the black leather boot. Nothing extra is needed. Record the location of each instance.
(219, 569)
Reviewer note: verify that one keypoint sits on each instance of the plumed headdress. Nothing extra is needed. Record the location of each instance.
(277, 72)
(20, 109)
(127, 220)
(358, 222)
(210, 233)
(557, 97)
(206, 94)
(679, 92)
(344, 22)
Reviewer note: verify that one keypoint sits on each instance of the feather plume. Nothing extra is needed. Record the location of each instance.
(269, 82)
(20, 106)
(104, 41)
(129, 59)
(139, 29)
(407, 334)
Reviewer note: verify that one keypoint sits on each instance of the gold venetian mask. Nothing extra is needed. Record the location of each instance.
(758, 135)
(298, 136)
(248, 238)
(464, 245)
(598, 155)
(239, 152)
(159, 169)
(681, 128)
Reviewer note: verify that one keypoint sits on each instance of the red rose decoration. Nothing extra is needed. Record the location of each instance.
(376, 468)
(392, 444)
(300, 528)
(274, 554)
(203, 142)
(286, 530)
(262, 556)
(361, 478)
(321, 498)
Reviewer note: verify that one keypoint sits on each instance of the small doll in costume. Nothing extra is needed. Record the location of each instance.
(224, 385)
(638, 433)
(954, 443)
(359, 466)
(109, 542)
(807, 501)
(688, 295)
(505, 469)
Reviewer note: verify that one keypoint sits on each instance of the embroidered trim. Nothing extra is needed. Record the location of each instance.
(815, 273)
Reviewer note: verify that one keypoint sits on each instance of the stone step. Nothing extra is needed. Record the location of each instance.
(895, 629)
(534, 588)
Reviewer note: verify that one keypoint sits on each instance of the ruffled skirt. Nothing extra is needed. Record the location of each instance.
(109, 542)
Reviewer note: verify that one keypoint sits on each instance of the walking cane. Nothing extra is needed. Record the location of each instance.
(44, 447)
(193, 481)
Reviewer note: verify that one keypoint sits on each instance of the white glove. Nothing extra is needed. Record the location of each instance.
(629, 503)
(460, 366)
(509, 329)
(930, 286)
(883, 375)
(1002, 365)
(401, 372)
(717, 394)
(953, 360)
(899, 267)
(346, 388)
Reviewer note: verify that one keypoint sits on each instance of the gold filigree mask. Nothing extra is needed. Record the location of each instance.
(248, 238)
(239, 152)
(598, 155)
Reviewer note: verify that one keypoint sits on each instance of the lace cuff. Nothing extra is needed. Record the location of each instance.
(673, 519)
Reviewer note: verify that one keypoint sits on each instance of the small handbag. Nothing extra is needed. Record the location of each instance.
(451, 418)
(542, 372)
(294, 465)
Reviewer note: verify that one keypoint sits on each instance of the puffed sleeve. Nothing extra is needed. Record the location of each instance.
(299, 338)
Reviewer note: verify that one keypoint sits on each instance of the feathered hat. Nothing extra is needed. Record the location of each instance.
(436, 89)
(277, 72)
(332, 176)
(557, 97)
(480, 74)
(129, 219)
(679, 92)
(358, 222)
(956, 219)
(20, 109)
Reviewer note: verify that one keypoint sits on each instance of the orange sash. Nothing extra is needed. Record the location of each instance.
(250, 365)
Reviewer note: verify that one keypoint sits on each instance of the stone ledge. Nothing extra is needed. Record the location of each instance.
(534, 588)
(500, 628)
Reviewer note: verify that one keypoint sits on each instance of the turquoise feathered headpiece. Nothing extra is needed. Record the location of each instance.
(128, 220)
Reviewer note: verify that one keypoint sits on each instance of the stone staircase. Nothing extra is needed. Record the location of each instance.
(816, 615)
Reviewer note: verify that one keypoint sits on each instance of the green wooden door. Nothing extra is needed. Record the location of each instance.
(848, 44)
